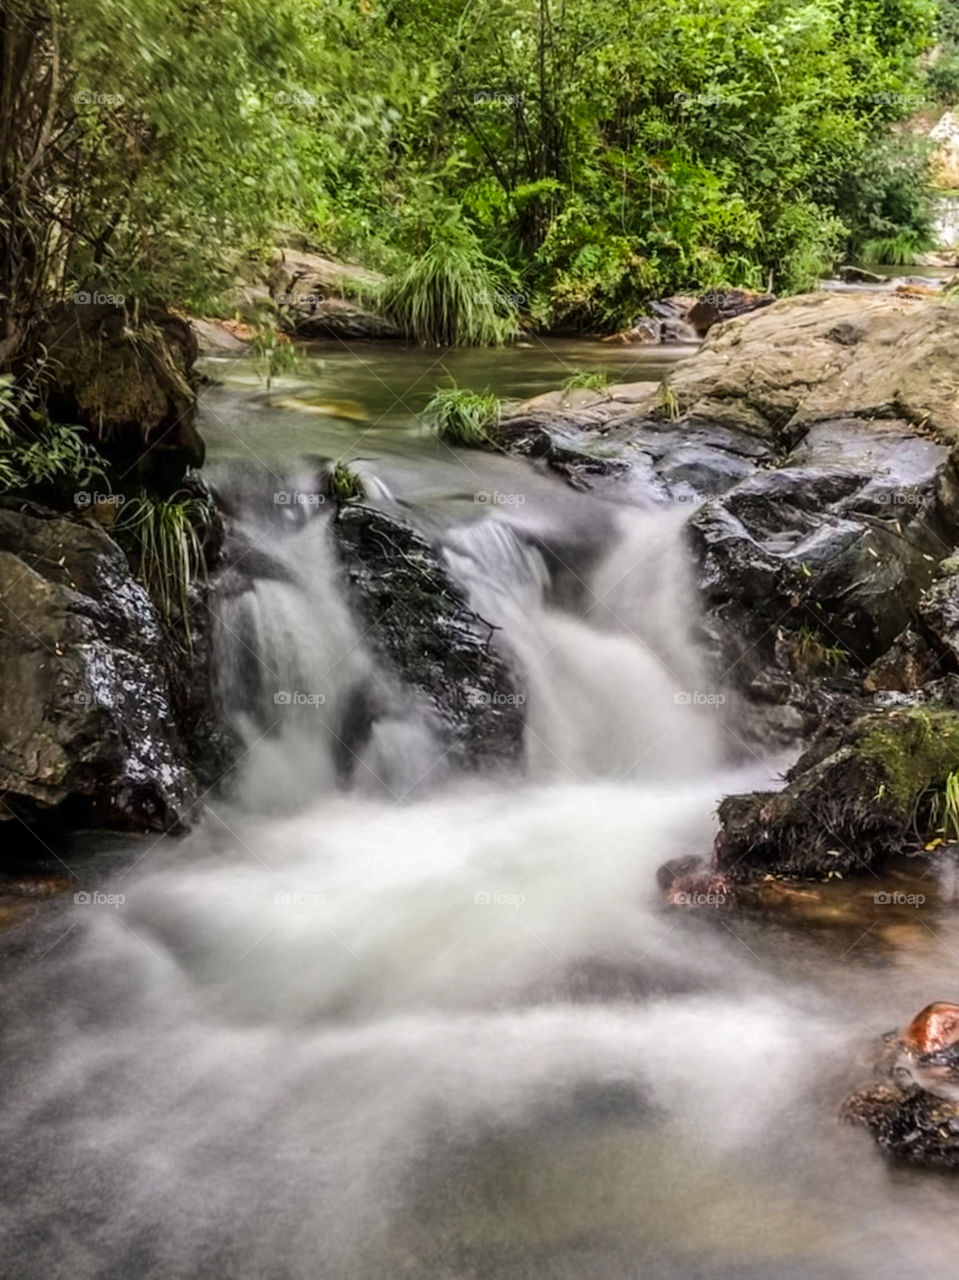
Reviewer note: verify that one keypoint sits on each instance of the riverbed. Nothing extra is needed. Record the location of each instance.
(436, 1024)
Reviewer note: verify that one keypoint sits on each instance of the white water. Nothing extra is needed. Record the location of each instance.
(334, 1035)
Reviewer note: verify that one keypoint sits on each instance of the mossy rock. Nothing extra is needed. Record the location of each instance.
(850, 800)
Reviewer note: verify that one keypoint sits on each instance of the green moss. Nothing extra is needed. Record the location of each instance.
(912, 750)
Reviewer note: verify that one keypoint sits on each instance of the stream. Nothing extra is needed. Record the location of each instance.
(441, 1024)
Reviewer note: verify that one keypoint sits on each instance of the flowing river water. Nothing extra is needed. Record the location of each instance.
(435, 1025)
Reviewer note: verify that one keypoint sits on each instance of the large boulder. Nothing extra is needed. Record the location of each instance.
(419, 621)
(132, 386)
(87, 732)
(835, 544)
(821, 356)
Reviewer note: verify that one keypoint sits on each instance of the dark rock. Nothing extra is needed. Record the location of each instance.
(339, 318)
(855, 796)
(419, 620)
(939, 616)
(86, 719)
(713, 308)
(134, 388)
(859, 275)
(829, 550)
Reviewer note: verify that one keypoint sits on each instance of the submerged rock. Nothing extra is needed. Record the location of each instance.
(417, 617)
(86, 722)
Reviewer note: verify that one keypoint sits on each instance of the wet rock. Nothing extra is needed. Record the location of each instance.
(419, 620)
(340, 318)
(904, 668)
(713, 308)
(912, 1110)
(939, 615)
(817, 563)
(86, 720)
(858, 275)
(856, 796)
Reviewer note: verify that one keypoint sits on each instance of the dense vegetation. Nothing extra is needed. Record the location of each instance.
(569, 158)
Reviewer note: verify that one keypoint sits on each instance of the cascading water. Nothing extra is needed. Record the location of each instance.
(329, 1035)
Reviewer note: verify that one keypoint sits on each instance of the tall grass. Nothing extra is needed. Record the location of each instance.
(900, 250)
(450, 296)
(167, 536)
(462, 417)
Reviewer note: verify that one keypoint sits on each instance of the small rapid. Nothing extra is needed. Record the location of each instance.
(377, 1017)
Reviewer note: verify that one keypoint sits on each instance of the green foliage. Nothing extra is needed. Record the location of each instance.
(811, 654)
(166, 536)
(588, 380)
(345, 485)
(36, 454)
(462, 417)
(273, 348)
(899, 250)
(450, 295)
(570, 157)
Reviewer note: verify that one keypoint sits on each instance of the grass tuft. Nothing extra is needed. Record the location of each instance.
(168, 543)
(462, 417)
(450, 296)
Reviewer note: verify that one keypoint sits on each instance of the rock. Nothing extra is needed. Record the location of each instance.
(819, 560)
(87, 730)
(418, 619)
(778, 370)
(134, 388)
(939, 617)
(713, 308)
(859, 275)
(904, 668)
(339, 318)
(913, 1110)
(944, 167)
(854, 797)
(316, 297)
(932, 1029)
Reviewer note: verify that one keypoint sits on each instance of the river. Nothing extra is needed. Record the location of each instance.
(436, 1024)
